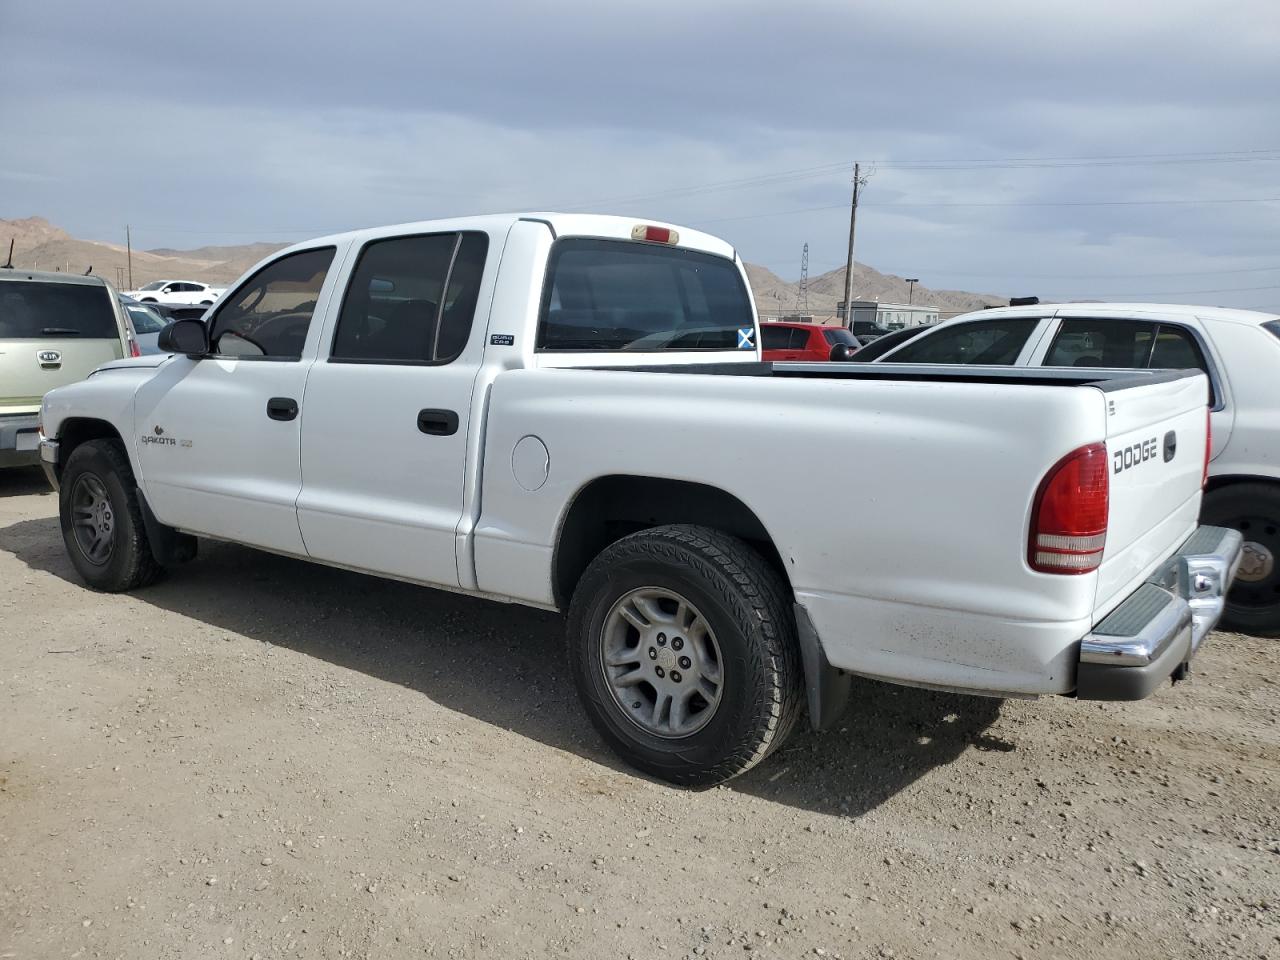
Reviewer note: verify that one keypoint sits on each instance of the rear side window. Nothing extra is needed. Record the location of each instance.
(1101, 343)
(774, 337)
(622, 295)
(996, 342)
(34, 310)
(411, 299)
(267, 316)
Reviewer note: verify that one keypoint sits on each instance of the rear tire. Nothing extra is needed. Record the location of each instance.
(1253, 605)
(101, 519)
(737, 675)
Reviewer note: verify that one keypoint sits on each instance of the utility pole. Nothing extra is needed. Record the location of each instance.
(802, 293)
(128, 245)
(911, 289)
(858, 181)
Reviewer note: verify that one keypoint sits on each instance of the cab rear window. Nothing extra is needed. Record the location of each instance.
(622, 295)
(35, 310)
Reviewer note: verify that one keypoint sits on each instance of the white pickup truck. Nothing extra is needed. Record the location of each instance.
(569, 412)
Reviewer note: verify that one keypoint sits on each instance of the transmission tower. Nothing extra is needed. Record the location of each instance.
(802, 294)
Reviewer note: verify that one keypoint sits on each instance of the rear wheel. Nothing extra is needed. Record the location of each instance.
(101, 519)
(1253, 605)
(682, 644)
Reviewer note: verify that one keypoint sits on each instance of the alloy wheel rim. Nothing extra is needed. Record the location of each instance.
(661, 662)
(93, 519)
(1257, 582)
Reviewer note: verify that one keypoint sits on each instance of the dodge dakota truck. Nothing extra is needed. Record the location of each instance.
(570, 412)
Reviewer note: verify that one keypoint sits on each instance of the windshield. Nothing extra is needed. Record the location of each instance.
(154, 286)
(622, 295)
(145, 320)
(30, 309)
(836, 335)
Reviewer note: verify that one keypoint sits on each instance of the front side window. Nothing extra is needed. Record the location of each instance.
(995, 342)
(623, 295)
(267, 317)
(411, 299)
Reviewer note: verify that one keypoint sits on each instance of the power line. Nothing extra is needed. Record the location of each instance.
(1179, 293)
(992, 163)
(1102, 276)
(997, 203)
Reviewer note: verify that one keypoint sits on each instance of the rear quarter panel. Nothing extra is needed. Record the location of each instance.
(917, 564)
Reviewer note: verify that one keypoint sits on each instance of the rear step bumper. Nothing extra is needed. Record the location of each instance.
(1153, 635)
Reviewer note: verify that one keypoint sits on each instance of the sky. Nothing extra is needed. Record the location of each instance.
(1091, 149)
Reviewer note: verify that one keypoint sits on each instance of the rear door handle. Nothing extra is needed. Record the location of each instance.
(438, 423)
(282, 408)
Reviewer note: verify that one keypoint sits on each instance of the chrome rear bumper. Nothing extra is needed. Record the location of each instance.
(1153, 635)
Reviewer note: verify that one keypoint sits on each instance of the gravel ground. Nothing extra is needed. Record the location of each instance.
(262, 758)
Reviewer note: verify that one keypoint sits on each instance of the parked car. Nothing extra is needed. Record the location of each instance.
(1239, 350)
(145, 324)
(55, 328)
(474, 418)
(867, 330)
(176, 292)
(781, 340)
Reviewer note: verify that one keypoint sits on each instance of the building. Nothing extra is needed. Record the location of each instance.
(891, 315)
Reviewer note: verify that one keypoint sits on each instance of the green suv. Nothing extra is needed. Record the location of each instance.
(55, 328)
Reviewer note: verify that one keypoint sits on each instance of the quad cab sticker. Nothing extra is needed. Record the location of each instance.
(502, 340)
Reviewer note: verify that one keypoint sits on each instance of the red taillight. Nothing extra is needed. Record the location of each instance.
(1208, 448)
(654, 234)
(1069, 516)
(133, 349)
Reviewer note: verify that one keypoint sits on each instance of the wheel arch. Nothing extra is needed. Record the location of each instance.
(73, 431)
(608, 508)
(1234, 479)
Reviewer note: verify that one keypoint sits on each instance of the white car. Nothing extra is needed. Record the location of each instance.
(1239, 350)
(177, 293)
(569, 412)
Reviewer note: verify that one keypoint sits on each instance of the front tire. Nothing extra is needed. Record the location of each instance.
(101, 519)
(682, 645)
(1253, 605)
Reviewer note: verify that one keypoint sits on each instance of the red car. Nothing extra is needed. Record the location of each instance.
(805, 341)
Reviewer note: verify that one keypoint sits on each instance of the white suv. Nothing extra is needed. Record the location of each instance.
(1238, 349)
(177, 292)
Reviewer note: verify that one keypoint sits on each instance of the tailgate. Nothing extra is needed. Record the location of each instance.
(1155, 447)
(31, 368)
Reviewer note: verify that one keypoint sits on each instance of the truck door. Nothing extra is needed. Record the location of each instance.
(385, 436)
(218, 437)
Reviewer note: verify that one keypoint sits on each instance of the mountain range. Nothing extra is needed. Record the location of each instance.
(39, 245)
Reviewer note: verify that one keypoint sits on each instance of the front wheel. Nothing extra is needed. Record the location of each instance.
(1253, 605)
(682, 645)
(101, 519)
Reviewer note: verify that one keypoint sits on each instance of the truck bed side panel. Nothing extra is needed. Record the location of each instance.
(933, 480)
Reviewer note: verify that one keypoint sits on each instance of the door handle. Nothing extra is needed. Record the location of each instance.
(438, 423)
(282, 408)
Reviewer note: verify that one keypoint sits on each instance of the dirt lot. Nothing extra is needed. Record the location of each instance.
(263, 758)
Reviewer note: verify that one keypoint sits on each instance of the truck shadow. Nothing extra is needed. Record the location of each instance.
(505, 665)
(23, 482)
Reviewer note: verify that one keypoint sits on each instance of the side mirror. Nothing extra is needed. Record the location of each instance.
(184, 336)
(840, 352)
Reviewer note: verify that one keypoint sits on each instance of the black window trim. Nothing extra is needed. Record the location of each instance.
(227, 297)
(1215, 379)
(544, 303)
(458, 235)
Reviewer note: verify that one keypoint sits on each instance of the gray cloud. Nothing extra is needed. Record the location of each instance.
(244, 121)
